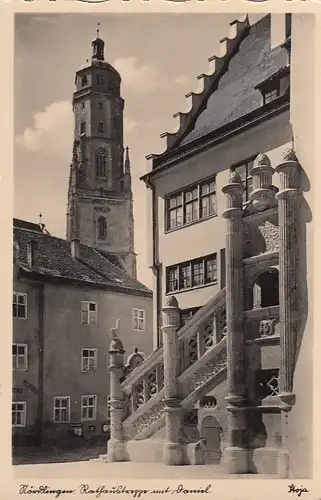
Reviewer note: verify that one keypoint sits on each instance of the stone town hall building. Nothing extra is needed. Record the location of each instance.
(68, 294)
(230, 380)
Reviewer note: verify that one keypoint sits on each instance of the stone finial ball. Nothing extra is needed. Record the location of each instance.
(262, 160)
(289, 155)
(234, 178)
(171, 301)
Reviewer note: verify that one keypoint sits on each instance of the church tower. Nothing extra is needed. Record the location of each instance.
(100, 201)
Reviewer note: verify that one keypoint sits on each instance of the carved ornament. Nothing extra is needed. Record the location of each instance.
(211, 368)
(270, 233)
(289, 155)
(262, 160)
(267, 327)
(150, 417)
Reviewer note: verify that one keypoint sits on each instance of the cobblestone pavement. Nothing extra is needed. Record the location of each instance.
(129, 470)
(30, 455)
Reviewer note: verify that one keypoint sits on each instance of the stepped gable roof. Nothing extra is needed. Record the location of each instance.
(231, 92)
(54, 262)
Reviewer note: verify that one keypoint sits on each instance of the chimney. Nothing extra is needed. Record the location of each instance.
(75, 248)
(280, 29)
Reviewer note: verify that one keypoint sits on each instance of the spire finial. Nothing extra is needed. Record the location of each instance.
(127, 161)
(98, 25)
(40, 218)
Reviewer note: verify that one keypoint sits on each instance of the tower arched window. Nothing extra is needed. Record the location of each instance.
(102, 228)
(84, 81)
(101, 164)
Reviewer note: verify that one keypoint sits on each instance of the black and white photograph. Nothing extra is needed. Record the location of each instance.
(162, 253)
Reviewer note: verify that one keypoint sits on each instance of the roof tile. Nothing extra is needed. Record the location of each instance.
(54, 260)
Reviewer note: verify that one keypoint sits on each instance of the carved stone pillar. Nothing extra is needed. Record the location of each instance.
(263, 194)
(116, 451)
(173, 452)
(235, 455)
(288, 207)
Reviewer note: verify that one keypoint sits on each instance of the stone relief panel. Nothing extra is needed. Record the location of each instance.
(261, 234)
(267, 327)
(149, 418)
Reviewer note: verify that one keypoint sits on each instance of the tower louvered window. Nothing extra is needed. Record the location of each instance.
(101, 169)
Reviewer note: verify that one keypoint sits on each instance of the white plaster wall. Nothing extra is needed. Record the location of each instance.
(206, 237)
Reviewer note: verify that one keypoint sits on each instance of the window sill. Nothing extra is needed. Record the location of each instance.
(20, 369)
(190, 223)
(88, 420)
(193, 288)
(15, 317)
(17, 425)
(88, 371)
(62, 422)
(138, 329)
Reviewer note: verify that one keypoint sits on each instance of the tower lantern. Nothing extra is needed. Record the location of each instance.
(98, 46)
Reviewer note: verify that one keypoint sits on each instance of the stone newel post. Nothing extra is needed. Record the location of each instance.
(235, 455)
(116, 445)
(263, 194)
(173, 452)
(288, 207)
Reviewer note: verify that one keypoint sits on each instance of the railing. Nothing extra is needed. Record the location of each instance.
(202, 332)
(194, 383)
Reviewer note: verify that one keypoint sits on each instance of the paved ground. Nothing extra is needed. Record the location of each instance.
(30, 455)
(95, 469)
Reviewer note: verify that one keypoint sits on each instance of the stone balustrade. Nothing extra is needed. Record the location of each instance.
(199, 335)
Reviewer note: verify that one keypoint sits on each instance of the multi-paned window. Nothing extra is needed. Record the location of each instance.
(18, 413)
(61, 409)
(191, 204)
(271, 94)
(88, 407)
(88, 360)
(19, 305)
(82, 127)
(138, 319)
(194, 273)
(88, 313)
(243, 169)
(19, 356)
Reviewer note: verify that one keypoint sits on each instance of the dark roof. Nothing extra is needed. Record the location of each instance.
(54, 262)
(23, 224)
(236, 95)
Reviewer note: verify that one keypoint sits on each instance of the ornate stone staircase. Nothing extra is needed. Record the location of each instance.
(154, 405)
(201, 365)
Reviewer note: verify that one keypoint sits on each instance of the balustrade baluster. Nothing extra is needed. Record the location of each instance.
(134, 399)
(159, 377)
(200, 341)
(146, 388)
(215, 331)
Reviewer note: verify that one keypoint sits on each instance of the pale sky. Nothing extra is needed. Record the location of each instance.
(158, 56)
